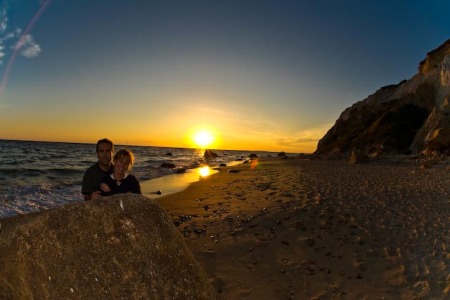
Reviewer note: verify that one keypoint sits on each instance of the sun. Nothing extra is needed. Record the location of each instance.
(203, 138)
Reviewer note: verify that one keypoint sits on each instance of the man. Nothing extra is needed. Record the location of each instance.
(94, 174)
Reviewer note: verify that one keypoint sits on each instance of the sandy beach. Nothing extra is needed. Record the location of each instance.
(301, 229)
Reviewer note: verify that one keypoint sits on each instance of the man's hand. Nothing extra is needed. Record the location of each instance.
(104, 187)
(94, 195)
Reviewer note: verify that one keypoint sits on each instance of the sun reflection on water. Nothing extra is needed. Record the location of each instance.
(204, 171)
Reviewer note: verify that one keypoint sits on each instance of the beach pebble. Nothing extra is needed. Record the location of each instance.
(209, 252)
(307, 241)
(361, 266)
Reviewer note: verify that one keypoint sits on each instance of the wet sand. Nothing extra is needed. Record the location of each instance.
(300, 229)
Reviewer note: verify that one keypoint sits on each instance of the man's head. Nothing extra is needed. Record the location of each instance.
(105, 151)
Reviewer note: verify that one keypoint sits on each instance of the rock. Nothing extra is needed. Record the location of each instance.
(253, 156)
(168, 165)
(438, 140)
(281, 154)
(358, 157)
(209, 154)
(179, 170)
(96, 250)
(307, 241)
(169, 154)
(401, 117)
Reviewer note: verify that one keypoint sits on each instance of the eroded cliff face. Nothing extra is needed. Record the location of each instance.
(120, 247)
(410, 117)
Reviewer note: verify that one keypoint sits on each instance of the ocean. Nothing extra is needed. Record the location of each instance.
(35, 176)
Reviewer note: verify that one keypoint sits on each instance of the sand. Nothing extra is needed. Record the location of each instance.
(308, 229)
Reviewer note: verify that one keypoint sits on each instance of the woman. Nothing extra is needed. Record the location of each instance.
(121, 181)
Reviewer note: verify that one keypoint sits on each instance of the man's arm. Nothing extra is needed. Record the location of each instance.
(89, 185)
(94, 195)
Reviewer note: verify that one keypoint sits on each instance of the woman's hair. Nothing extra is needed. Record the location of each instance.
(125, 153)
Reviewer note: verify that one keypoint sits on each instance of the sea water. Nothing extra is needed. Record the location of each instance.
(36, 176)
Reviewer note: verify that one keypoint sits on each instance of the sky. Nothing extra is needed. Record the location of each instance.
(256, 74)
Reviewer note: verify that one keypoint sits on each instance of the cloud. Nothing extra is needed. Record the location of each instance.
(3, 26)
(28, 48)
(25, 44)
(295, 141)
(306, 137)
(31, 50)
(3, 21)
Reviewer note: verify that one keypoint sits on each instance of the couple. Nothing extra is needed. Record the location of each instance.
(105, 178)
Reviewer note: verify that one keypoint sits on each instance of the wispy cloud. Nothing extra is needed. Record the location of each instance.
(3, 26)
(304, 138)
(295, 141)
(15, 40)
(28, 48)
(25, 44)
(3, 21)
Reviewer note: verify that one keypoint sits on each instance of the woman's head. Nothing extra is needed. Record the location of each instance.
(124, 157)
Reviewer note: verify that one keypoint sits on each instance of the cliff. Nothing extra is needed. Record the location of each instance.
(121, 247)
(412, 116)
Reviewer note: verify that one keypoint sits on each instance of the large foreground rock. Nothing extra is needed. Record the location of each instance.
(121, 247)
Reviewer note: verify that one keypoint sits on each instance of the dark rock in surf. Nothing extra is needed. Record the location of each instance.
(167, 165)
(209, 154)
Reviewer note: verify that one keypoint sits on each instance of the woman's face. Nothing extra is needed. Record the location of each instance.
(122, 165)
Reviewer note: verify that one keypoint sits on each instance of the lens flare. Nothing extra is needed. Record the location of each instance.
(253, 164)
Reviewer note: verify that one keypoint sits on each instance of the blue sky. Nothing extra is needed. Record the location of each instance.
(259, 75)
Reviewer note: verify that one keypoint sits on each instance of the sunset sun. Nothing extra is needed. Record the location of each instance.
(203, 138)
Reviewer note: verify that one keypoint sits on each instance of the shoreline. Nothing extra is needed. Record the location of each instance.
(179, 181)
(301, 229)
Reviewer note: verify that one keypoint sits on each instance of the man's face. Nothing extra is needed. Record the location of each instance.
(104, 154)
